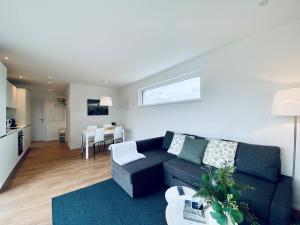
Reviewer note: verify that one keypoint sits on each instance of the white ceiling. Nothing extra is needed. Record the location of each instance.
(123, 41)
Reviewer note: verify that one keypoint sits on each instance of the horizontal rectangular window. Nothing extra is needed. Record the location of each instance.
(182, 89)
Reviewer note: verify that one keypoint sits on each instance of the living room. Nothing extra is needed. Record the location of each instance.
(201, 73)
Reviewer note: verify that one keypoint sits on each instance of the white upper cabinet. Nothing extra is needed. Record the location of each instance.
(23, 112)
(3, 76)
(11, 95)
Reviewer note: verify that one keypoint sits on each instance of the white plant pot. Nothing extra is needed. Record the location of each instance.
(212, 221)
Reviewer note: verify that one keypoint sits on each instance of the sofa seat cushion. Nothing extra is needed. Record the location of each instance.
(147, 167)
(188, 172)
(260, 197)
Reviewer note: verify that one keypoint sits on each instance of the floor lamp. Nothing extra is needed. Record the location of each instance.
(287, 103)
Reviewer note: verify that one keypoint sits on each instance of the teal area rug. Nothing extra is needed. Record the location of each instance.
(106, 203)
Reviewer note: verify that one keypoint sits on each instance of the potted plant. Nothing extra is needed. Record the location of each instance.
(221, 196)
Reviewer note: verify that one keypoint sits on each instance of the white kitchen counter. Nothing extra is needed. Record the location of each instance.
(11, 131)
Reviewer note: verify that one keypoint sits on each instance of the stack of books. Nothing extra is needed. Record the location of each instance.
(190, 210)
(193, 211)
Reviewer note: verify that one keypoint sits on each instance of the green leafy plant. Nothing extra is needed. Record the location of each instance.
(221, 193)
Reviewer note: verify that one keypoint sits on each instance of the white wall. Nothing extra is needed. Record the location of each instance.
(78, 118)
(68, 138)
(45, 94)
(238, 82)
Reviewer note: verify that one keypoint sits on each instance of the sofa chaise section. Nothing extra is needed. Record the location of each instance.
(139, 177)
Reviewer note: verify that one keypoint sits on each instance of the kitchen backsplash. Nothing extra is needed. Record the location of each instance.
(10, 113)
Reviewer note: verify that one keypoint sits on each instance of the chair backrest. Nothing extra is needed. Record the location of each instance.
(107, 125)
(91, 127)
(118, 133)
(99, 135)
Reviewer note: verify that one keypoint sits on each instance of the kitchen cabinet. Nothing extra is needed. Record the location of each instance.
(27, 137)
(23, 112)
(3, 76)
(11, 95)
(9, 151)
(9, 155)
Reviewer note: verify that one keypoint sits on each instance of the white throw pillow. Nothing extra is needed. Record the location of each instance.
(218, 153)
(176, 144)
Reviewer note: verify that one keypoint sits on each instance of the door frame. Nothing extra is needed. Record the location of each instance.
(44, 115)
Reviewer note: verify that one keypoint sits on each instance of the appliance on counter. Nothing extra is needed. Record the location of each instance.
(11, 124)
(8, 123)
(20, 142)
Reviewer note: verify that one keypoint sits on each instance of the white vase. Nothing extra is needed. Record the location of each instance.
(212, 221)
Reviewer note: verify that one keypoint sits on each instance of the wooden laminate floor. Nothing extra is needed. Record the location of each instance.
(49, 169)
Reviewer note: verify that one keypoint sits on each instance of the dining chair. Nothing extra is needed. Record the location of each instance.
(91, 139)
(118, 134)
(91, 128)
(98, 139)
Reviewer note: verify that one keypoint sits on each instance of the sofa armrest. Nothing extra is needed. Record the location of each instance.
(282, 203)
(149, 144)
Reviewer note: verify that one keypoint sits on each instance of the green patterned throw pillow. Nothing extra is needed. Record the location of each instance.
(218, 153)
(176, 144)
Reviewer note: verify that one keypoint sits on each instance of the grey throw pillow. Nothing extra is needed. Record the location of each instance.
(193, 150)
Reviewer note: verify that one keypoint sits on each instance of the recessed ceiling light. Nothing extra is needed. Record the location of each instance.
(6, 58)
(263, 2)
(21, 77)
(49, 82)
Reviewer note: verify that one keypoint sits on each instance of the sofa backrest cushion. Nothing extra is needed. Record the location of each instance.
(258, 160)
(169, 137)
(167, 140)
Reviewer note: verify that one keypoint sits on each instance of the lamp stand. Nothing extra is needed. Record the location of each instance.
(295, 146)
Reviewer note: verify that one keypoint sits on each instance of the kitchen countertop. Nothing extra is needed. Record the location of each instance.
(11, 131)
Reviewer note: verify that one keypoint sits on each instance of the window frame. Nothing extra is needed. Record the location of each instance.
(174, 80)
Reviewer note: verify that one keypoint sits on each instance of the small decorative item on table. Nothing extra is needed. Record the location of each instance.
(183, 208)
(193, 211)
(221, 196)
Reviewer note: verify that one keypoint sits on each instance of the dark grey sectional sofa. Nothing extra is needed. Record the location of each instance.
(256, 165)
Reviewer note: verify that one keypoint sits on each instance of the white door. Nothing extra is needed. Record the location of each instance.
(54, 119)
(38, 120)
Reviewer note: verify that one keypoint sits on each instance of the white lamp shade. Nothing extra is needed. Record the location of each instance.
(105, 101)
(286, 102)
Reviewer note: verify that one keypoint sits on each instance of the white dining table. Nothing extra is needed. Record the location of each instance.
(87, 134)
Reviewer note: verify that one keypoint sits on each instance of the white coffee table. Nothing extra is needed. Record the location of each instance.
(172, 194)
(175, 201)
(176, 204)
